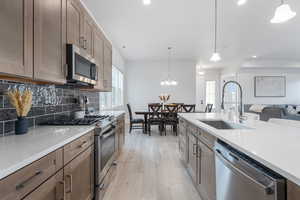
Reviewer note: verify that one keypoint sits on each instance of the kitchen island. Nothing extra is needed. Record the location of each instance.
(271, 145)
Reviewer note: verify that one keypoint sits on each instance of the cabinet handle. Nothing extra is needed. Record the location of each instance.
(194, 152)
(102, 186)
(85, 44)
(61, 196)
(199, 152)
(23, 184)
(82, 144)
(81, 41)
(70, 185)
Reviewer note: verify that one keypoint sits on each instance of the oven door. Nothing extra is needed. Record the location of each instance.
(105, 153)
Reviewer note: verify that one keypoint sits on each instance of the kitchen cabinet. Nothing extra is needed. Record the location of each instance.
(79, 176)
(74, 16)
(49, 40)
(88, 43)
(206, 172)
(293, 191)
(22, 182)
(99, 57)
(52, 189)
(107, 79)
(182, 141)
(200, 158)
(120, 136)
(192, 163)
(16, 37)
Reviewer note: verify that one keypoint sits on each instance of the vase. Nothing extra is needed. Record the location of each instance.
(21, 126)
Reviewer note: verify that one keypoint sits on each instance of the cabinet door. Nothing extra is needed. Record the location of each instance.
(79, 176)
(192, 162)
(98, 54)
(49, 40)
(74, 28)
(293, 191)
(207, 174)
(88, 35)
(107, 82)
(16, 37)
(52, 189)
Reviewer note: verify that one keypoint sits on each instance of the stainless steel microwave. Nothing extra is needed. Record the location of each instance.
(81, 68)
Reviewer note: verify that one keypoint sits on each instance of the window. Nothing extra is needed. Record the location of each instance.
(211, 93)
(115, 98)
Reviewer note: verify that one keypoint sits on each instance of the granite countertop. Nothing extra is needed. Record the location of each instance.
(18, 151)
(274, 146)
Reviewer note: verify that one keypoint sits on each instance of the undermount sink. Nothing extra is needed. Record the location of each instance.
(220, 124)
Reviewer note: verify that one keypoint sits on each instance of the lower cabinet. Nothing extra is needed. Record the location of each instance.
(79, 177)
(192, 163)
(206, 172)
(200, 159)
(52, 189)
(293, 191)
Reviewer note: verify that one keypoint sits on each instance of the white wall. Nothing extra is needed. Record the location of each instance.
(143, 82)
(246, 78)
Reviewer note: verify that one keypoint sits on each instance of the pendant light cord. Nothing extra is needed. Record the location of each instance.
(169, 55)
(216, 21)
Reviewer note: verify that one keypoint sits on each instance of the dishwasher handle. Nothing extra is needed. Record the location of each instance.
(269, 189)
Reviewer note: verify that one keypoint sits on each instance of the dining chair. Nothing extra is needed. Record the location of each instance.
(209, 108)
(135, 123)
(189, 108)
(171, 117)
(155, 117)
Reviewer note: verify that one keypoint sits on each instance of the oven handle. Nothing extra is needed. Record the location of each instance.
(107, 134)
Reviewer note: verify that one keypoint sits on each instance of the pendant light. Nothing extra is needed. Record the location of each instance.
(216, 56)
(283, 13)
(169, 81)
(241, 2)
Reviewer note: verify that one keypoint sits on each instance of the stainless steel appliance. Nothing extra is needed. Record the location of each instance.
(81, 68)
(105, 145)
(239, 177)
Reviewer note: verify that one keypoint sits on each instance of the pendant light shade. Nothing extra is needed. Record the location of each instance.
(168, 81)
(241, 2)
(283, 13)
(216, 56)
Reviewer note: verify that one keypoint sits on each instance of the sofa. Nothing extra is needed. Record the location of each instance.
(274, 111)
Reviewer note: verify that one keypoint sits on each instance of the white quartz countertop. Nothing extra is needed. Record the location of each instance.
(18, 151)
(115, 113)
(275, 146)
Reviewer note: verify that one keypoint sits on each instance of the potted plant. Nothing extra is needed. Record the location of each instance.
(22, 101)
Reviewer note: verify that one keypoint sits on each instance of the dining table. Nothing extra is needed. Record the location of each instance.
(146, 116)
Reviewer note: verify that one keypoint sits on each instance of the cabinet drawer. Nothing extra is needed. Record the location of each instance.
(182, 122)
(111, 174)
(207, 138)
(74, 148)
(19, 184)
(52, 189)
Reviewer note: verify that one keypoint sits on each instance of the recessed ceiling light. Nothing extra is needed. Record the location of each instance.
(241, 2)
(254, 56)
(147, 2)
(201, 73)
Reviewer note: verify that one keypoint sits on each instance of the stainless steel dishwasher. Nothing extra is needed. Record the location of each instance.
(239, 177)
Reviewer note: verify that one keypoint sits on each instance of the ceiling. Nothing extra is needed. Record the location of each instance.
(188, 26)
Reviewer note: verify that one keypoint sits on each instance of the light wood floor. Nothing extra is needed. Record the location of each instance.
(149, 169)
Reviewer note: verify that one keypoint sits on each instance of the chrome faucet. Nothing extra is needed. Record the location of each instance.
(241, 117)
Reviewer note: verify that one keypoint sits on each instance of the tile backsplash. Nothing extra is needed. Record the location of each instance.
(49, 102)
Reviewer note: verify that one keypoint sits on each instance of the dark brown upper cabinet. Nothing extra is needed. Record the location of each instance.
(49, 40)
(16, 37)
